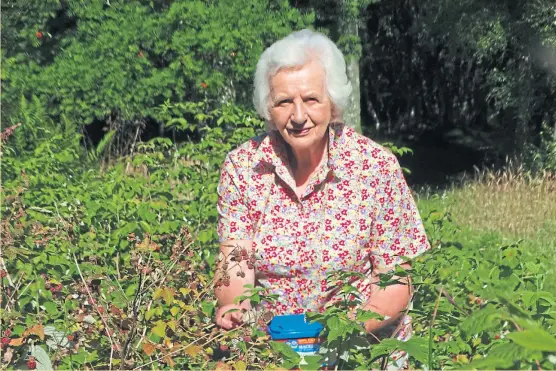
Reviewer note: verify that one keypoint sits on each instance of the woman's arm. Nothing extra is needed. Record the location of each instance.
(234, 270)
(390, 301)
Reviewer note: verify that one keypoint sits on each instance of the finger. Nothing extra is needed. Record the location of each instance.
(237, 317)
(225, 323)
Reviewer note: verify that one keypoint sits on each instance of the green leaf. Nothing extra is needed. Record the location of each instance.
(130, 290)
(42, 358)
(416, 347)
(335, 329)
(159, 329)
(208, 308)
(534, 340)
(365, 315)
(51, 308)
(479, 321)
(286, 351)
(386, 346)
(503, 356)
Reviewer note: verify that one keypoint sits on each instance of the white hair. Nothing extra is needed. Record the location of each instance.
(296, 50)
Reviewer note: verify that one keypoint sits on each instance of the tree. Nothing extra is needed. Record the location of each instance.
(117, 62)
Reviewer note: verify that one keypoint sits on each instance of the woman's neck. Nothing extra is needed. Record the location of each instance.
(305, 163)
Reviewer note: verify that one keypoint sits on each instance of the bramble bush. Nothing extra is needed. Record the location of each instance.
(112, 268)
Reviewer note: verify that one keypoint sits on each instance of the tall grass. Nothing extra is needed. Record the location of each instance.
(506, 206)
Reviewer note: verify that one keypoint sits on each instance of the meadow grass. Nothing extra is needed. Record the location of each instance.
(502, 207)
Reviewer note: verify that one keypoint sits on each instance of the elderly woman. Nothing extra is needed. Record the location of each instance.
(312, 196)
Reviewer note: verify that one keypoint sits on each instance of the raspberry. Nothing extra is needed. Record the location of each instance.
(7, 332)
(5, 341)
(31, 363)
(223, 347)
(3, 273)
(38, 34)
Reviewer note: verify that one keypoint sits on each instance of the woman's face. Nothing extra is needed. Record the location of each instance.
(299, 105)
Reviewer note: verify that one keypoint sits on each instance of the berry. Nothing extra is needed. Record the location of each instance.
(38, 34)
(5, 341)
(31, 363)
(223, 347)
(7, 332)
(497, 336)
(204, 85)
(3, 273)
(100, 309)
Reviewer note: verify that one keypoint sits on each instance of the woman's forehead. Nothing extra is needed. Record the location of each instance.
(304, 79)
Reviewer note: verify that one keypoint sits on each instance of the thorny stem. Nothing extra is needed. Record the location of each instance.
(182, 348)
(96, 308)
(432, 324)
(130, 336)
(16, 288)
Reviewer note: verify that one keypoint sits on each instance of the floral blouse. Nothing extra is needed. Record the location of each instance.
(356, 213)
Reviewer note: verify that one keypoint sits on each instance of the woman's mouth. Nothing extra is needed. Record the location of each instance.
(299, 132)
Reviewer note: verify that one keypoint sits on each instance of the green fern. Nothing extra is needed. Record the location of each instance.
(95, 154)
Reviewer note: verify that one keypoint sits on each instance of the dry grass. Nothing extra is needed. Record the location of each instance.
(509, 202)
(503, 207)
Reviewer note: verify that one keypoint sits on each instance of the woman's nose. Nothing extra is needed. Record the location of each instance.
(299, 115)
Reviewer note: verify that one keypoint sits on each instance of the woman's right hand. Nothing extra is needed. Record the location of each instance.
(228, 319)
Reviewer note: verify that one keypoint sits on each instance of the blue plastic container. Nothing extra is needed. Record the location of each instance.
(296, 331)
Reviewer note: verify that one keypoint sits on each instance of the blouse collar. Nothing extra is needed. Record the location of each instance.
(272, 150)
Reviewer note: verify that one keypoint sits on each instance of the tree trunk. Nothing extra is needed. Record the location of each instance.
(352, 114)
(348, 28)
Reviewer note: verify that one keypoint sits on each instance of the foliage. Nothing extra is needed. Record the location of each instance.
(474, 308)
(509, 205)
(112, 269)
(118, 61)
(542, 158)
(485, 68)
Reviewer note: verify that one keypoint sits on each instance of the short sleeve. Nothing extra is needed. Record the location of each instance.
(234, 222)
(398, 233)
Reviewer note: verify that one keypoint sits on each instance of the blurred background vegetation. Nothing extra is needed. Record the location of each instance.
(116, 117)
